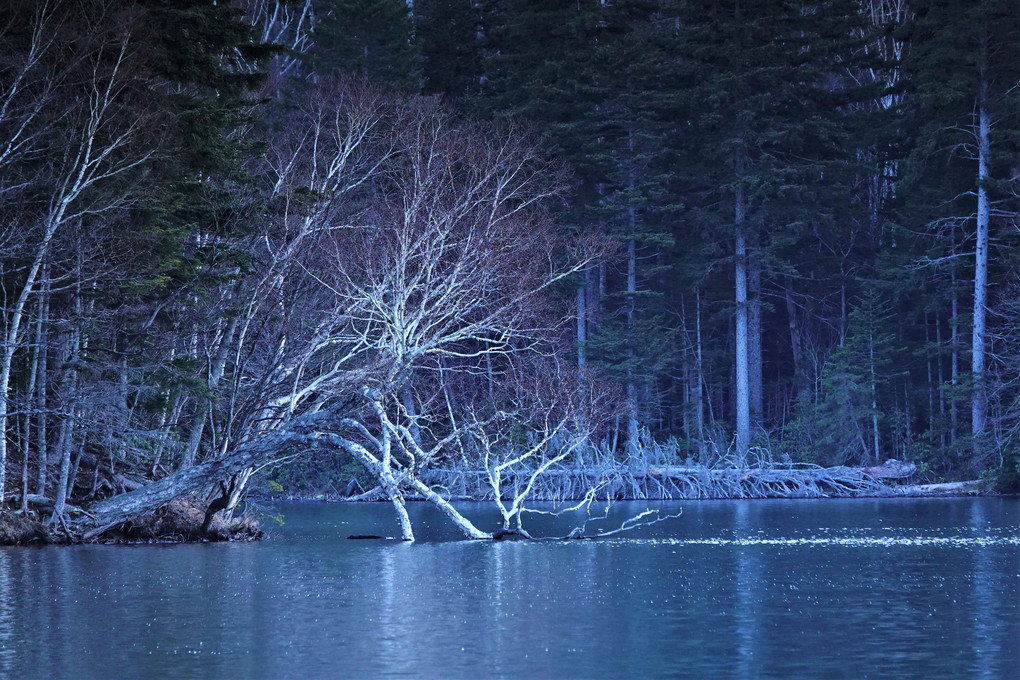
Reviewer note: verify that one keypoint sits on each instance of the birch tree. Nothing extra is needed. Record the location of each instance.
(82, 106)
(409, 239)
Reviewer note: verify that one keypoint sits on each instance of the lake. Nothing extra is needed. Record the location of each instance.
(891, 588)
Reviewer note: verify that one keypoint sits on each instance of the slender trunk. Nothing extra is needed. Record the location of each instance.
(942, 383)
(979, 405)
(64, 490)
(26, 427)
(10, 346)
(754, 358)
(908, 434)
(124, 419)
(42, 338)
(842, 315)
(602, 281)
(931, 375)
(743, 405)
(491, 378)
(685, 364)
(582, 331)
(195, 436)
(699, 376)
(632, 401)
(954, 365)
(407, 399)
(203, 409)
(801, 382)
(874, 396)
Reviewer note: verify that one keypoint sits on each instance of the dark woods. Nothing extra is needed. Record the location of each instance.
(503, 238)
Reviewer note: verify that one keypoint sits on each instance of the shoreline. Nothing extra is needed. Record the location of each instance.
(180, 521)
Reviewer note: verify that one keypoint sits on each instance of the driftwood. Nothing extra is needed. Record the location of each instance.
(946, 488)
(674, 482)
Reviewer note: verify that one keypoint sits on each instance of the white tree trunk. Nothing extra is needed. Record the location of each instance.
(632, 401)
(874, 397)
(754, 358)
(954, 365)
(42, 337)
(582, 329)
(978, 404)
(742, 372)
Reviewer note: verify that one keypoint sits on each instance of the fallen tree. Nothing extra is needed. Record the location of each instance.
(404, 246)
(620, 481)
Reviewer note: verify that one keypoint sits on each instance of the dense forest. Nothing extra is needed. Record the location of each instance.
(394, 242)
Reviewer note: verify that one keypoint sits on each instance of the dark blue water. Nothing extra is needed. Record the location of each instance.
(731, 589)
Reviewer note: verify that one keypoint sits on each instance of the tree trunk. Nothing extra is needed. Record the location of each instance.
(582, 331)
(407, 399)
(699, 378)
(42, 337)
(941, 385)
(308, 429)
(63, 491)
(954, 365)
(979, 405)
(465, 525)
(874, 397)
(754, 357)
(743, 404)
(801, 382)
(632, 401)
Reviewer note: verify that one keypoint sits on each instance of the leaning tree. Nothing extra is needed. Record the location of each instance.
(400, 241)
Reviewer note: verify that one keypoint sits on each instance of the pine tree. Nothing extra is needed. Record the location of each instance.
(370, 38)
(772, 114)
(450, 35)
(963, 70)
(845, 426)
(594, 79)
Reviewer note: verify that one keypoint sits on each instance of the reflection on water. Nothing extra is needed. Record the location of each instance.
(6, 616)
(772, 589)
(747, 580)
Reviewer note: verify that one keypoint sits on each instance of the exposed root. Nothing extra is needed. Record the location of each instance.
(19, 529)
(619, 481)
(182, 521)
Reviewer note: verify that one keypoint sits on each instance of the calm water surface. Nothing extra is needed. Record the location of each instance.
(762, 589)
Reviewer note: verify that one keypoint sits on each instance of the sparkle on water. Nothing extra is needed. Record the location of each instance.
(730, 589)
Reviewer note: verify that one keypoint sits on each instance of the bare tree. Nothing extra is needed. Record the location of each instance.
(81, 105)
(401, 239)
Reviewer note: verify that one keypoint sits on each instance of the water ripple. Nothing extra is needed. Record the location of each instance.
(850, 542)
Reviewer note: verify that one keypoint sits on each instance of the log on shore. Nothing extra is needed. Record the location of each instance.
(970, 487)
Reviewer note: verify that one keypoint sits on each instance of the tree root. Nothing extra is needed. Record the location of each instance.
(622, 482)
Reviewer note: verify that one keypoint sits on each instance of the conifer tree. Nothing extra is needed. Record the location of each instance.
(371, 38)
(963, 69)
(772, 115)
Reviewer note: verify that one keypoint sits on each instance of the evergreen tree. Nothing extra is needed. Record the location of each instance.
(370, 38)
(773, 120)
(963, 69)
(594, 79)
(845, 426)
(450, 35)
